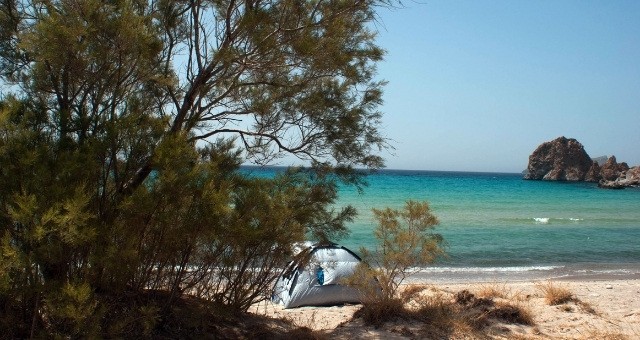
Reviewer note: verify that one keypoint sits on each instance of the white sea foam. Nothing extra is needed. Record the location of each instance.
(547, 220)
(487, 269)
(605, 271)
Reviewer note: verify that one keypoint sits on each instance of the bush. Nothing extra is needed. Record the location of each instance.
(112, 184)
(406, 242)
(379, 312)
(70, 248)
(558, 295)
(555, 294)
(463, 313)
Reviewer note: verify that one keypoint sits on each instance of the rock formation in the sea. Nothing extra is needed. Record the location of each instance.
(619, 176)
(562, 159)
(611, 169)
(593, 175)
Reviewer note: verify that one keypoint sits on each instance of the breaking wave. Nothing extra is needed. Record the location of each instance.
(547, 220)
(488, 269)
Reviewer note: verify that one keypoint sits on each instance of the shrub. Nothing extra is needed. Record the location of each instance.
(411, 291)
(381, 311)
(464, 313)
(405, 243)
(512, 314)
(112, 180)
(493, 291)
(555, 294)
(197, 227)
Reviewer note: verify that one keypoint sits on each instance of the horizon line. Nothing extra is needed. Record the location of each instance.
(392, 169)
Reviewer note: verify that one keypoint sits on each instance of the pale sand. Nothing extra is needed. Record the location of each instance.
(616, 303)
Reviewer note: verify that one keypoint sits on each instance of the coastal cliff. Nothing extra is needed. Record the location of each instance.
(564, 159)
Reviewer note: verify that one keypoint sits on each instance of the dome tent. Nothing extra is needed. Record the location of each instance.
(314, 277)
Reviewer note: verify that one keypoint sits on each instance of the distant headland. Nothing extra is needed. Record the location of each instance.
(564, 159)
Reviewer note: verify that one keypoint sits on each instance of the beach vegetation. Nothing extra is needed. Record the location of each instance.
(479, 311)
(444, 315)
(433, 313)
(585, 306)
(123, 125)
(406, 242)
(555, 294)
(411, 291)
(494, 290)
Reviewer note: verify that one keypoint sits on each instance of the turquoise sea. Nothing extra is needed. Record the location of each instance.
(499, 226)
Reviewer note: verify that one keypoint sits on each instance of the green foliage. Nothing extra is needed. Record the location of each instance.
(197, 227)
(71, 310)
(268, 217)
(406, 242)
(122, 128)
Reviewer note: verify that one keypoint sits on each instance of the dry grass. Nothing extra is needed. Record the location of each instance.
(517, 311)
(482, 312)
(411, 292)
(498, 290)
(434, 309)
(443, 315)
(377, 313)
(441, 318)
(494, 290)
(585, 306)
(555, 294)
(513, 314)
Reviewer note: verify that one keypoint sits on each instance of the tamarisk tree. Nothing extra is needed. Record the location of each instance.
(406, 243)
(122, 127)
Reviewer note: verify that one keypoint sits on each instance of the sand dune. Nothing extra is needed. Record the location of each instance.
(607, 309)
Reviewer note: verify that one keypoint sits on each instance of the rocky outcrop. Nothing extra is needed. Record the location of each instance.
(626, 178)
(611, 170)
(562, 159)
(593, 175)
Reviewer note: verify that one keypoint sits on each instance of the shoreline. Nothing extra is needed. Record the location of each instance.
(568, 272)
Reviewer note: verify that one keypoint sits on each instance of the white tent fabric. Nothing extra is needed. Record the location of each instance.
(314, 278)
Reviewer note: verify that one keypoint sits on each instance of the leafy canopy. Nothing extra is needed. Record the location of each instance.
(122, 127)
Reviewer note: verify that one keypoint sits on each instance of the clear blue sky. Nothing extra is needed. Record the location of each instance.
(478, 85)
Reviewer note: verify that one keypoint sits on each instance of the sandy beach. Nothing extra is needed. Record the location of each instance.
(600, 309)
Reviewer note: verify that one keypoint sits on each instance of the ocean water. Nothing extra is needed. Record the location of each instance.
(498, 226)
